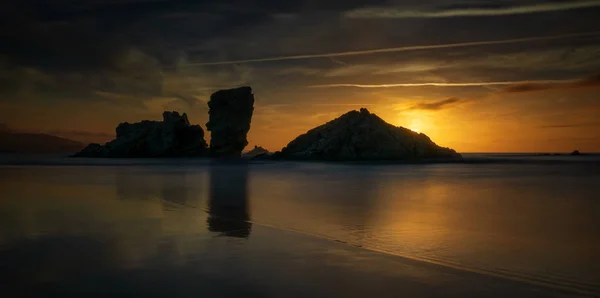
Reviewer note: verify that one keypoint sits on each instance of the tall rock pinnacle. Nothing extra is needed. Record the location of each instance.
(230, 114)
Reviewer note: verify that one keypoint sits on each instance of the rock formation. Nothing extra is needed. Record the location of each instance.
(230, 113)
(174, 136)
(256, 153)
(576, 152)
(360, 135)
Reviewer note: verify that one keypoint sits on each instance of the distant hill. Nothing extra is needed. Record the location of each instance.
(21, 142)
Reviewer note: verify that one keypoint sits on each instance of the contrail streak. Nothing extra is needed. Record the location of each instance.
(467, 84)
(399, 49)
(397, 13)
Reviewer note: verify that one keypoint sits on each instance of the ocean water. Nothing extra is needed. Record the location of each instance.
(177, 228)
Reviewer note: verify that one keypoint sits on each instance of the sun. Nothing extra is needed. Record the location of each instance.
(415, 126)
(414, 122)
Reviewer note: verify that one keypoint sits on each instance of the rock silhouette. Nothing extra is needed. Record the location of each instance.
(361, 135)
(256, 153)
(354, 136)
(172, 137)
(230, 113)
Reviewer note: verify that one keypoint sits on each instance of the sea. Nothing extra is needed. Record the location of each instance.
(495, 225)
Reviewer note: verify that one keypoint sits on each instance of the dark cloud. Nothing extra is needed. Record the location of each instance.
(591, 81)
(529, 87)
(470, 10)
(586, 82)
(64, 49)
(73, 50)
(437, 105)
(137, 50)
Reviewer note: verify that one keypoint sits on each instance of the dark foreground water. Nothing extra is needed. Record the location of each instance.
(191, 228)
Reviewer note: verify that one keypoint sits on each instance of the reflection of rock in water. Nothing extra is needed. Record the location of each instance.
(228, 204)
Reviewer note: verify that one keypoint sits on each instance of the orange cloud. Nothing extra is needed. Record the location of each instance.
(437, 105)
(587, 82)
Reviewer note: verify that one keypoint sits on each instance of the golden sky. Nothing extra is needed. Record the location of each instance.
(497, 76)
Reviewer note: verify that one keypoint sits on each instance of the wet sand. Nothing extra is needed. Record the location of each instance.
(272, 263)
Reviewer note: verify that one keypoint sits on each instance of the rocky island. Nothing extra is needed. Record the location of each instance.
(174, 136)
(354, 136)
(363, 136)
(230, 114)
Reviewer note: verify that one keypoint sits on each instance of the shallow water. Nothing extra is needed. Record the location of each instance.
(534, 223)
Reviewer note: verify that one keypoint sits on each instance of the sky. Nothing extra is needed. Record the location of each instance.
(474, 75)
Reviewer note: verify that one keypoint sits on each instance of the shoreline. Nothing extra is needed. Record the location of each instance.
(480, 159)
(548, 283)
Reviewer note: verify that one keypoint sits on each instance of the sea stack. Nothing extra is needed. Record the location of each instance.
(363, 136)
(172, 137)
(230, 112)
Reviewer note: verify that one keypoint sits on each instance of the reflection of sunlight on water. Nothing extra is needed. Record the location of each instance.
(415, 220)
(482, 217)
(485, 217)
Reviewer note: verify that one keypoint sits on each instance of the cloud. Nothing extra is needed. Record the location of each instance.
(400, 49)
(401, 13)
(93, 50)
(135, 74)
(437, 105)
(468, 64)
(591, 81)
(572, 125)
(437, 84)
(562, 57)
(190, 100)
(586, 82)
(529, 87)
(298, 70)
(343, 104)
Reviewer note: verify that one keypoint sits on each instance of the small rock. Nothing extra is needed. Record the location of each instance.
(256, 153)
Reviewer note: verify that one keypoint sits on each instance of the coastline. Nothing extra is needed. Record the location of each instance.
(467, 158)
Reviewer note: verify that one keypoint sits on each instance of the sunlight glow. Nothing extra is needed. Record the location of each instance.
(415, 125)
